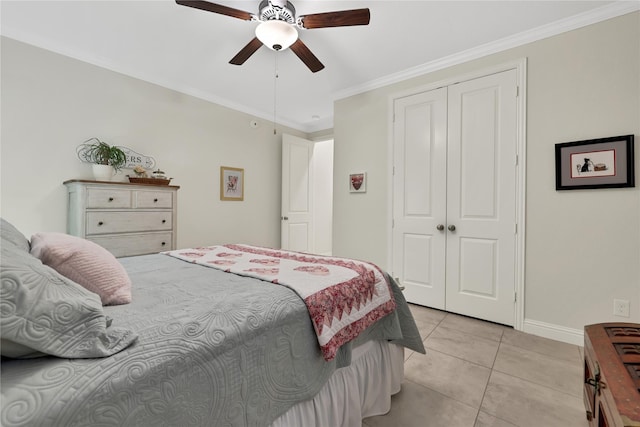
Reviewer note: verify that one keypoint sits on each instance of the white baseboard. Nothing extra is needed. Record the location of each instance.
(554, 332)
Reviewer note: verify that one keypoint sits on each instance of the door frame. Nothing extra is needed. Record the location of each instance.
(318, 217)
(308, 216)
(520, 65)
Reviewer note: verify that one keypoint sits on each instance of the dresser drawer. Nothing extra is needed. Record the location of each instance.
(108, 198)
(135, 244)
(127, 219)
(154, 199)
(127, 222)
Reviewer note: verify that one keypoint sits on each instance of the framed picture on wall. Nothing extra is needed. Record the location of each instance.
(358, 182)
(595, 163)
(231, 183)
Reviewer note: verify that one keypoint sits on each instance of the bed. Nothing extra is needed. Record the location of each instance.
(194, 346)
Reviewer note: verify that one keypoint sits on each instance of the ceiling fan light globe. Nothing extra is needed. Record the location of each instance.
(276, 35)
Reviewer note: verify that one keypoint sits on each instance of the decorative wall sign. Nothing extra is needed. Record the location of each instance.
(358, 182)
(231, 183)
(595, 163)
(133, 159)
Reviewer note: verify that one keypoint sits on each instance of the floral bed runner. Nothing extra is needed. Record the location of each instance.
(343, 296)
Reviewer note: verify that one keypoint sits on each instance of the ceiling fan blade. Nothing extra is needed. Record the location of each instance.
(343, 18)
(246, 52)
(216, 8)
(303, 52)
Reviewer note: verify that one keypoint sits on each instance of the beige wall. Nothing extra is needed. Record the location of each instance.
(582, 247)
(51, 103)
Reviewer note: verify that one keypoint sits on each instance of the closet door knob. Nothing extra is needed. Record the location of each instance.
(439, 227)
(452, 227)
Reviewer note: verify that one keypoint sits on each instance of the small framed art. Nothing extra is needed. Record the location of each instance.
(231, 183)
(358, 182)
(595, 163)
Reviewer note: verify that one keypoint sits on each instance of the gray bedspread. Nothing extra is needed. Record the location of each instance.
(214, 349)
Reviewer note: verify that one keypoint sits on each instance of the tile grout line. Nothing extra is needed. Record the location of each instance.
(505, 338)
(440, 393)
(489, 380)
(459, 358)
(463, 360)
(541, 384)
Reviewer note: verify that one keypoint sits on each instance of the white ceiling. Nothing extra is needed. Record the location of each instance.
(188, 50)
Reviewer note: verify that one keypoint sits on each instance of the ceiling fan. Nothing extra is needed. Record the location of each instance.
(277, 29)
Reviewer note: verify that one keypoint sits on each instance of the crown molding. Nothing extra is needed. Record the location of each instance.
(584, 19)
(102, 62)
(615, 9)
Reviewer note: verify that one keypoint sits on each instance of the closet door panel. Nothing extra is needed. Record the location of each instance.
(478, 153)
(419, 196)
(481, 176)
(478, 266)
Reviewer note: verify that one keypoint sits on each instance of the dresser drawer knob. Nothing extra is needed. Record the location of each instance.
(155, 200)
(111, 199)
(100, 223)
(164, 243)
(164, 220)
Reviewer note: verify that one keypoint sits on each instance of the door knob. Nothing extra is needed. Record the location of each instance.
(439, 227)
(452, 227)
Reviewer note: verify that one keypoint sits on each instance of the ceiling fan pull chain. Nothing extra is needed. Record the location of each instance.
(275, 91)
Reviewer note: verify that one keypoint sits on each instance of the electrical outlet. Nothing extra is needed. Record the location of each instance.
(621, 307)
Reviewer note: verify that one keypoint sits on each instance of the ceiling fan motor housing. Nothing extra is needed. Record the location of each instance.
(277, 11)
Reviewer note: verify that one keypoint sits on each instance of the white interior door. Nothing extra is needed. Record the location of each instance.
(297, 194)
(420, 198)
(481, 201)
(454, 190)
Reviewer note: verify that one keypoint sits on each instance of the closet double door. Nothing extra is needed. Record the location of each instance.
(454, 197)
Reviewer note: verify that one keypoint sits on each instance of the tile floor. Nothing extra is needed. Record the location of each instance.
(480, 374)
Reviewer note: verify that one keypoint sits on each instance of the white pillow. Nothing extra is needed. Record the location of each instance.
(86, 263)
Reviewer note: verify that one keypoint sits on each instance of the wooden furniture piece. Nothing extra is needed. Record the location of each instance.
(126, 219)
(612, 374)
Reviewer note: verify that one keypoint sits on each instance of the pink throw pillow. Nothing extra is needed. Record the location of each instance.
(86, 263)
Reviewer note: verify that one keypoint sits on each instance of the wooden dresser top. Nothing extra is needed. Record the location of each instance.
(88, 181)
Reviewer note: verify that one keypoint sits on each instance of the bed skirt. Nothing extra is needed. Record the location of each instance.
(362, 389)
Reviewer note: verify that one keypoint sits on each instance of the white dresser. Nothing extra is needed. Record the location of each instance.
(126, 219)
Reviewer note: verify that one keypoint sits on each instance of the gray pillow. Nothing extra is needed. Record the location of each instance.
(44, 313)
(10, 235)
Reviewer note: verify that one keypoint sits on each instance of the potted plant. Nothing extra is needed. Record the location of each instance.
(106, 159)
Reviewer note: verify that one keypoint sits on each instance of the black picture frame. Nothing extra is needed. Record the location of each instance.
(595, 163)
